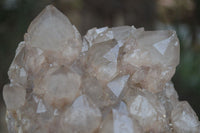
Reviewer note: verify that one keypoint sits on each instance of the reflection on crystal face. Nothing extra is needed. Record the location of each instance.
(41, 107)
(162, 46)
(118, 84)
(113, 80)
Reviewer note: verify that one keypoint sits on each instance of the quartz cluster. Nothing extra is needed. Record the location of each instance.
(112, 80)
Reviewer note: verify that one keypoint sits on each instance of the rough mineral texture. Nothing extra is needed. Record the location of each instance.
(112, 80)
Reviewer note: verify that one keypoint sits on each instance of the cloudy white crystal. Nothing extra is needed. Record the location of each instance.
(81, 114)
(14, 96)
(62, 38)
(117, 80)
(183, 119)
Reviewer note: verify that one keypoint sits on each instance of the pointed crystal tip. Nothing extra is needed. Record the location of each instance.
(51, 31)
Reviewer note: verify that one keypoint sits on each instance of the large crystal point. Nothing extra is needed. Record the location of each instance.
(52, 31)
(153, 56)
(113, 80)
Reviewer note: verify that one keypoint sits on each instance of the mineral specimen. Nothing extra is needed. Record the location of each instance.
(113, 80)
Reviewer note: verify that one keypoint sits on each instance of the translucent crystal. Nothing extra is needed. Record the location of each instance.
(113, 80)
(149, 112)
(95, 35)
(14, 96)
(63, 38)
(152, 54)
(102, 60)
(119, 121)
(81, 114)
(184, 119)
(100, 96)
(59, 86)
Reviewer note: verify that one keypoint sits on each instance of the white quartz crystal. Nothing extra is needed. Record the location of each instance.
(83, 116)
(184, 119)
(14, 96)
(149, 112)
(112, 80)
(119, 121)
(59, 36)
(102, 60)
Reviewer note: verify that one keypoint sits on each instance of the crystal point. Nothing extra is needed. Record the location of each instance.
(82, 113)
(14, 96)
(182, 114)
(58, 34)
